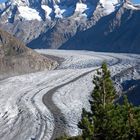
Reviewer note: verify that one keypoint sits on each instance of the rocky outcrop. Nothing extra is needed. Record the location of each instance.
(16, 58)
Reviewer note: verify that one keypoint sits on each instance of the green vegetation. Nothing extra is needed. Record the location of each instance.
(107, 119)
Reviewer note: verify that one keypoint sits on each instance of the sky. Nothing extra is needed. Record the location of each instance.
(135, 1)
(2, 1)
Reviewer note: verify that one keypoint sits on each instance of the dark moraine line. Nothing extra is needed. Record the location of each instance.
(59, 119)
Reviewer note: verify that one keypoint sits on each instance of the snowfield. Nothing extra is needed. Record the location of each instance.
(44, 105)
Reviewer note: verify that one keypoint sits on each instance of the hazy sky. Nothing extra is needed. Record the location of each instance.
(2, 1)
(135, 1)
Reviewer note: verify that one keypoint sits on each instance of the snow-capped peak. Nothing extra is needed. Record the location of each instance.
(20, 2)
(44, 9)
(109, 5)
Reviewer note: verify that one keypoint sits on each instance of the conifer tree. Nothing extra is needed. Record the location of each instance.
(102, 98)
(108, 120)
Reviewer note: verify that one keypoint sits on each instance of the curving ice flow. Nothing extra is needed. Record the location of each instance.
(43, 105)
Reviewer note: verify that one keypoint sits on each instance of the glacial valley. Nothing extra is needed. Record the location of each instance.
(47, 104)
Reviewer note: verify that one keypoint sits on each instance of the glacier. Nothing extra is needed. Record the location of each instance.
(44, 104)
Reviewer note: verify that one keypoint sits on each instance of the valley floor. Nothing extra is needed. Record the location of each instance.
(44, 105)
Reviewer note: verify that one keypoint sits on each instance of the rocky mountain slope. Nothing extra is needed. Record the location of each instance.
(16, 58)
(102, 25)
(117, 32)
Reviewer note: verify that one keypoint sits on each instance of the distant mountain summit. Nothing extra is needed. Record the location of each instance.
(102, 25)
(16, 58)
(43, 10)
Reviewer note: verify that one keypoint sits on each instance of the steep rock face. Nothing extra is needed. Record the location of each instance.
(117, 32)
(103, 25)
(16, 58)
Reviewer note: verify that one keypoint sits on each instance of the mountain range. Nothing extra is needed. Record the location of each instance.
(99, 25)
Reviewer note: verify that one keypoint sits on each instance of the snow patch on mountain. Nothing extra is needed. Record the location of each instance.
(109, 5)
(131, 6)
(48, 10)
(58, 11)
(29, 13)
(81, 7)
